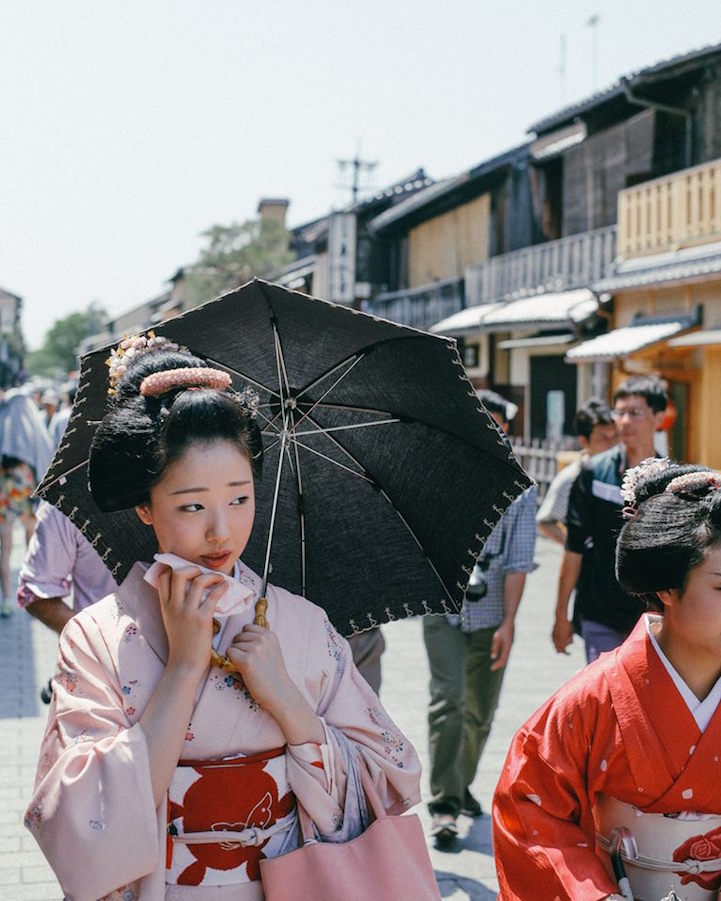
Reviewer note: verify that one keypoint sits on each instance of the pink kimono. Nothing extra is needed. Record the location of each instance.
(92, 812)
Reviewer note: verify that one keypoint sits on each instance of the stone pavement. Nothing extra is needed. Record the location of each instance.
(535, 671)
(27, 654)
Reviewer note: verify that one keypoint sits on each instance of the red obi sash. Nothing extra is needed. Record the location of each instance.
(224, 816)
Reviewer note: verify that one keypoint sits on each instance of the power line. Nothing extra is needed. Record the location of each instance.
(357, 166)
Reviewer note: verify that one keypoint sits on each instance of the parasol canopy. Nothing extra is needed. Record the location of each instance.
(382, 473)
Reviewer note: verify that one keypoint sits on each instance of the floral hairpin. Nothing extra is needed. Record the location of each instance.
(133, 346)
(633, 477)
(692, 482)
(249, 398)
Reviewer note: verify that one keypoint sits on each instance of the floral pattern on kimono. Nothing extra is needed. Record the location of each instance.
(93, 789)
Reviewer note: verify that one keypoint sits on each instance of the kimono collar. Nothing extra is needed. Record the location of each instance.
(139, 600)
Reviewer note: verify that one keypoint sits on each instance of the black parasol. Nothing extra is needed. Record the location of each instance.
(382, 472)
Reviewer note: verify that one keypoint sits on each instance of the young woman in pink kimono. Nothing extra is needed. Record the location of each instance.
(626, 756)
(161, 775)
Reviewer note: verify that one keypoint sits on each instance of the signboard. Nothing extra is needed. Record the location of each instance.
(341, 257)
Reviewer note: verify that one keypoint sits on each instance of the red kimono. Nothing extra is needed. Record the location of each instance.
(619, 728)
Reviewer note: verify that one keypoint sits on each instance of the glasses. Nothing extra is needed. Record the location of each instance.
(632, 413)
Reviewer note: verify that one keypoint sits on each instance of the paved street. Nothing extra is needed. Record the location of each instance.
(27, 653)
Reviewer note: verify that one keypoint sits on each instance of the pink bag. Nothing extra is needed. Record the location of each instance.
(389, 860)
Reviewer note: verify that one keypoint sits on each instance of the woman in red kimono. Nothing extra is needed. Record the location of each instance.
(182, 729)
(628, 753)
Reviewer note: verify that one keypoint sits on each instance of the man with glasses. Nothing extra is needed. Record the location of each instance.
(594, 519)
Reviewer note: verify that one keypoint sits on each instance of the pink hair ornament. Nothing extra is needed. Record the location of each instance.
(188, 377)
(710, 480)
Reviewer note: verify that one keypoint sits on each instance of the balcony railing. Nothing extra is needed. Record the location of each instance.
(420, 307)
(667, 213)
(573, 262)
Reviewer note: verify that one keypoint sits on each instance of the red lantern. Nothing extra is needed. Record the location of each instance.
(669, 417)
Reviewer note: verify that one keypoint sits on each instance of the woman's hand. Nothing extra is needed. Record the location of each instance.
(187, 602)
(256, 654)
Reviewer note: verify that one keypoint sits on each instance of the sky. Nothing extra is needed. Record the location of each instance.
(127, 129)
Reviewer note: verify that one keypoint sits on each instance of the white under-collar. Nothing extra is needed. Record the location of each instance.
(702, 711)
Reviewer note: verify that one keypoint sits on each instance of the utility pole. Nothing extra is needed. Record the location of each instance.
(562, 69)
(593, 25)
(357, 166)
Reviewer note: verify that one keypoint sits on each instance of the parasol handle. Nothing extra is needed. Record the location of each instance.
(222, 661)
(261, 607)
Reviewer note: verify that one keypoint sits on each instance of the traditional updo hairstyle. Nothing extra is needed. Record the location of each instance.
(675, 517)
(142, 434)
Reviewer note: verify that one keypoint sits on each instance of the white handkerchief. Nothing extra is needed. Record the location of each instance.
(236, 599)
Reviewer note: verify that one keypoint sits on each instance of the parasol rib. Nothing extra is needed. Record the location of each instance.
(63, 476)
(353, 472)
(252, 382)
(352, 359)
(344, 428)
(274, 510)
(415, 538)
(301, 511)
(242, 375)
(284, 448)
(349, 408)
(327, 391)
(267, 419)
(308, 387)
(391, 503)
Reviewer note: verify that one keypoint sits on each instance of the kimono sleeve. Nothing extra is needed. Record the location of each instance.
(92, 812)
(348, 704)
(543, 830)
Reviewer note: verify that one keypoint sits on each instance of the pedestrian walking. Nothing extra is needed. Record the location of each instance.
(607, 613)
(594, 427)
(616, 771)
(25, 452)
(367, 649)
(468, 654)
(49, 404)
(59, 420)
(60, 562)
(146, 746)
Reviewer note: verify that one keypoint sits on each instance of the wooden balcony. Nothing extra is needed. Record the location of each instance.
(420, 307)
(573, 262)
(668, 213)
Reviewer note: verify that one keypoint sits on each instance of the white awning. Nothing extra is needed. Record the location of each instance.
(464, 321)
(558, 309)
(536, 341)
(624, 341)
(293, 275)
(697, 339)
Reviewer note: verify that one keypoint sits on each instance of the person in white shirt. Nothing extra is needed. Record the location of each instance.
(595, 429)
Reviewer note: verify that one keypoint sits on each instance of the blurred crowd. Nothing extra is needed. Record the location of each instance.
(33, 418)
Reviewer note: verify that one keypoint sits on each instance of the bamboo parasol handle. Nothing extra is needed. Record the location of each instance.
(222, 661)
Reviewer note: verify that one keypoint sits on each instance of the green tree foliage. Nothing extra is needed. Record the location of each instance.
(58, 355)
(234, 254)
